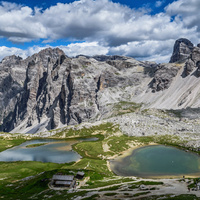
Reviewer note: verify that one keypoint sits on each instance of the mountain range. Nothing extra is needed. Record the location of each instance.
(49, 90)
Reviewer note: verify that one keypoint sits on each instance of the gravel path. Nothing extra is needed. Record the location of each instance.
(171, 186)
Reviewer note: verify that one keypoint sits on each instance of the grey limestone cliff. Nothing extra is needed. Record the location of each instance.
(49, 89)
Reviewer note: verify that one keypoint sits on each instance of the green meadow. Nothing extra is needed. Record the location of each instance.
(29, 180)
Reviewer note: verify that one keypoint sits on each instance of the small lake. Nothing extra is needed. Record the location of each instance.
(56, 151)
(157, 161)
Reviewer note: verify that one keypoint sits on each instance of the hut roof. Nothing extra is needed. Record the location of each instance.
(80, 173)
(63, 177)
(63, 182)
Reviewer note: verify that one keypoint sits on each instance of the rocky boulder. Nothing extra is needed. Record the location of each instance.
(192, 62)
(163, 77)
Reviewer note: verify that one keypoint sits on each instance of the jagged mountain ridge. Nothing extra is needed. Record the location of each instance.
(50, 90)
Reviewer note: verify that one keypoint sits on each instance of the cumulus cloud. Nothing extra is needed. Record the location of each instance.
(71, 50)
(106, 27)
(86, 48)
(19, 24)
(146, 50)
(186, 12)
(8, 51)
(100, 20)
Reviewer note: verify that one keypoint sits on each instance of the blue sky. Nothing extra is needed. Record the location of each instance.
(145, 30)
(130, 3)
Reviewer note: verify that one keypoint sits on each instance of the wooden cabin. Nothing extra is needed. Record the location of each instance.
(80, 175)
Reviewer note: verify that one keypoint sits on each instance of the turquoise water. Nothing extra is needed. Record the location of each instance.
(56, 151)
(157, 161)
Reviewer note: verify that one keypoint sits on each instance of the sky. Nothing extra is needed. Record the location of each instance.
(145, 30)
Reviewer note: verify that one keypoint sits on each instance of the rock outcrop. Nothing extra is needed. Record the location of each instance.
(182, 50)
(189, 67)
(163, 77)
(192, 62)
(49, 90)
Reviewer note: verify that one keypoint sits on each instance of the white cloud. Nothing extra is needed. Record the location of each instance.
(147, 50)
(159, 3)
(108, 22)
(71, 50)
(90, 49)
(106, 27)
(19, 24)
(9, 51)
(186, 12)
(150, 50)
(6, 51)
(100, 20)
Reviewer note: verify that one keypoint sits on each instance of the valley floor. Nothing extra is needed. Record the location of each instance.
(116, 135)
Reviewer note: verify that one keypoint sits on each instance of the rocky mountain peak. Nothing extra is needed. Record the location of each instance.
(46, 56)
(182, 50)
(50, 52)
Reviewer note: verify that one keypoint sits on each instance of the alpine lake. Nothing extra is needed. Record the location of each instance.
(157, 161)
(44, 150)
(152, 161)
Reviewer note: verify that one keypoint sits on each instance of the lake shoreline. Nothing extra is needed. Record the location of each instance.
(117, 159)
